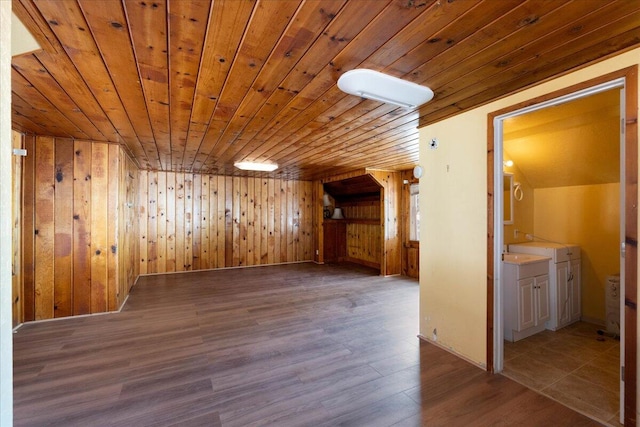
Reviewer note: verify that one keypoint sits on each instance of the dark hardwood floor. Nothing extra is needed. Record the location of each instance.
(298, 344)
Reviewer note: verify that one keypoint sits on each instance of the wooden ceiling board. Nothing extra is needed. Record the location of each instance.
(361, 186)
(187, 26)
(61, 71)
(264, 30)
(194, 86)
(540, 63)
(473, 62)
(329, 80)
(321, 136)
(353, 144)
(443, 34)
(69, 26)
(310, 20)
(224, 34)
(108, 26)
(148, 31)
(29, 113)
(41, 104)
(287, 90)
(42, 81)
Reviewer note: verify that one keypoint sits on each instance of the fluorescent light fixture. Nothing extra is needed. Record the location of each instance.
(252, 166)
(384, 88)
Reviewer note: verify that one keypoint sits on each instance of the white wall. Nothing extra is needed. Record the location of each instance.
(453, 254)
(6, 336)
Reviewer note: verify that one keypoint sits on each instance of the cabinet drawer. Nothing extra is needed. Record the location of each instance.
(533, 269)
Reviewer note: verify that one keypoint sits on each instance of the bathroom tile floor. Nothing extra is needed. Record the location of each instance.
(575, 366)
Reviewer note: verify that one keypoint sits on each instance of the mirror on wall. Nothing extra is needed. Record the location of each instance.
(507, 179)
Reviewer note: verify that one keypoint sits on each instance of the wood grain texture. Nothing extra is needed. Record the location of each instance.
(99, 226)
(410, 250)
(82, 228)
(128, 228)
(75, 221)
(28, 229)
(222, 221)
(115, 219)
(44, 233)
(63, 281)
(391, 182)
(300, 344)
(193, 86)
(17, 275)
(373, 233)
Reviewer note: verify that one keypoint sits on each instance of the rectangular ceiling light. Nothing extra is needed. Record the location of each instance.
(253, 166)
(384, 88)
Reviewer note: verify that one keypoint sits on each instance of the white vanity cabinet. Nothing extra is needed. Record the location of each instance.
(569, 298)
(564, 280)
(526, 295)
(533, 302)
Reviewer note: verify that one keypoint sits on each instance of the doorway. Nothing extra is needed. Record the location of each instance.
(628, 223)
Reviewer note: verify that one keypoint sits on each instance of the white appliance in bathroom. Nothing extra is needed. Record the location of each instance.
(612, 304)
(564, 280)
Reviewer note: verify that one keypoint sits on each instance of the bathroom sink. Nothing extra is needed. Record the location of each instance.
(516, 258)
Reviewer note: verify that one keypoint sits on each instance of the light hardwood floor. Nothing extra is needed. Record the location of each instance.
(299, 344)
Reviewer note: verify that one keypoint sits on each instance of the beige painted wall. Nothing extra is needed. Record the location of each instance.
(453, 238)
(589, 216)
(453, 258)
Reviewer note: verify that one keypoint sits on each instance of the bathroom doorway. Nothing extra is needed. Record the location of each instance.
(565, 174)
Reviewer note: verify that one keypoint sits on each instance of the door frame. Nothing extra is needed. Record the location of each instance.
(629, 76)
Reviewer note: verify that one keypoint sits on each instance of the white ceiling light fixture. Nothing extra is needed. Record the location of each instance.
(254, 166)
(384, 88)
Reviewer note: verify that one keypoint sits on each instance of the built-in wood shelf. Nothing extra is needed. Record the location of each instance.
(374, 221)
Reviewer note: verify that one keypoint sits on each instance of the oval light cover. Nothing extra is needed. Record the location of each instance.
(382, 87)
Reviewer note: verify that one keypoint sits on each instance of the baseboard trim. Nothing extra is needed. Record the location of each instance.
(482, 366)
(75, 316)
(224, 268)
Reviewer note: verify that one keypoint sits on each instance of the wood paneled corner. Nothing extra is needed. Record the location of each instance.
(92, 223)
(76, 195)
(371, 202)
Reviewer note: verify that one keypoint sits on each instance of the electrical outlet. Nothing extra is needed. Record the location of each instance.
(515, 233)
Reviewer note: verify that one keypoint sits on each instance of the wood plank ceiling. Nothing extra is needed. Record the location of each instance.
(196, 85)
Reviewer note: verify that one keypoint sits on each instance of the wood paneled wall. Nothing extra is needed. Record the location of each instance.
(16, 241)
(74, 198)
(364, 232)
(410, 249)
(390, 214)
(128, 226)
(198, 222)
(370, 226)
